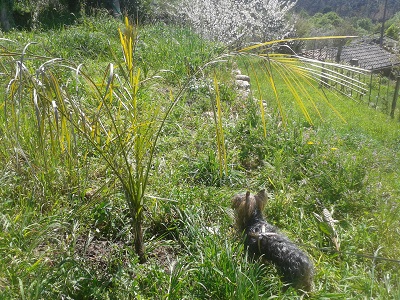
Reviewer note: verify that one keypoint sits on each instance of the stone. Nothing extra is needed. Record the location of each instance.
(243, 78)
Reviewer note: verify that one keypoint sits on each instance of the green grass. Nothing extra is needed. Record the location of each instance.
(65, 226)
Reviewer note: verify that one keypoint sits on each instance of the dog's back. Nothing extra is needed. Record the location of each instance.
(265, 241)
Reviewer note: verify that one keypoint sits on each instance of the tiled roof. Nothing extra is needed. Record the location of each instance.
(368, 56)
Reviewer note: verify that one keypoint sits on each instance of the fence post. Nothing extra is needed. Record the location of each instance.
(324, 81)
(370, 89)
(396, 95)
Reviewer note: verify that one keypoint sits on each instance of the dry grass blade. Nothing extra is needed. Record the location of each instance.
(260, 101)
(217, 111)
(274, 42)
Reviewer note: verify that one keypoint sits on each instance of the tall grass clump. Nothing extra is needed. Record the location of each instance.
(121, 123)
(40, 137)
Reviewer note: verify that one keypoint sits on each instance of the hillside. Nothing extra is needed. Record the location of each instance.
(357, 8)
(79, 136)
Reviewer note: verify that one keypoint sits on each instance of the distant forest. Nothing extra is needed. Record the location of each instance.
(351, 8)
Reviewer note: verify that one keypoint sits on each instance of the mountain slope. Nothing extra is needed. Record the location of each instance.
(361, 8)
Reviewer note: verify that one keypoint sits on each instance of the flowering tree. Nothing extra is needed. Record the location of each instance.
(228, 20)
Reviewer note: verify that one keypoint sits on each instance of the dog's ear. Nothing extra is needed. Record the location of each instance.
(261, 199)
(247, 199)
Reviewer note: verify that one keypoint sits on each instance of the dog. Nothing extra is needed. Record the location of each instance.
(263, 240)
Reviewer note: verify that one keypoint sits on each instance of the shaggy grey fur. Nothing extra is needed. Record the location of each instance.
(264, 241)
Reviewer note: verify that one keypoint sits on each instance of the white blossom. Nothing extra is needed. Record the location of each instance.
(228, 20)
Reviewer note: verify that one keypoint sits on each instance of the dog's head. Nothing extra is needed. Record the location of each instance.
(246, 204)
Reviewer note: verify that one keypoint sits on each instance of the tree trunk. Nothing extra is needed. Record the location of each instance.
(6, 15)
(136, 219)
(74, 6)
(138, 236)
(115, 7)
(35, 16)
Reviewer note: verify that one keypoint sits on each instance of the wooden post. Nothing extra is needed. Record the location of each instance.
(396, 95)
(339, 50)
(387, 95)
(379, 91)
(370, 89)
(324, 81)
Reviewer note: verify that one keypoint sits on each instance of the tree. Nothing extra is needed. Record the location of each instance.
(116, 8)
(228, 20)
(392, 26)
(361, 8)
(365, 24)
(393, 31)
(327, 21)
(6, 20)
(33, 13)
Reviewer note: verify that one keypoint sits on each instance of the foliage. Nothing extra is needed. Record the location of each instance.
(85, 45)
(35, 14)
(365, 24)
(327, 21)
(355, 8)
(393, 31)
(39, 12)
(332, 24)
(393, 27)
(140, 9)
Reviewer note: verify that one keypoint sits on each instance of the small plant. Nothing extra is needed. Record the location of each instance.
(121, 124)
(125, 128)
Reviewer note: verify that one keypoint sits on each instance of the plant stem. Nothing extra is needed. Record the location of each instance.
(138, 234)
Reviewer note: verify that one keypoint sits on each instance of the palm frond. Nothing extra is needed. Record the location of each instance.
(300, 76)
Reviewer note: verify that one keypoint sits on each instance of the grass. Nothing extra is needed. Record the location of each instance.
(65, 229)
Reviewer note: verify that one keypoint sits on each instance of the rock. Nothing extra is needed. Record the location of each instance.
(236, 72)
(243, 85)
(243, 78)
(208, 114)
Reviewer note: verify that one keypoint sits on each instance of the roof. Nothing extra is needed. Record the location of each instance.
(366, 56)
